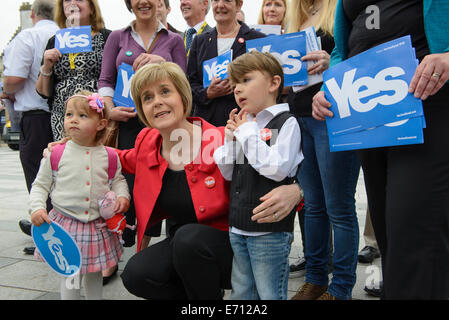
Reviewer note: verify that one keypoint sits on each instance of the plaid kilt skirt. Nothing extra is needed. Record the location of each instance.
(100, 249)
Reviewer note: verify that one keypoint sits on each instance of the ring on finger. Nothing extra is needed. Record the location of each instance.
(275, 215)
(436, 75)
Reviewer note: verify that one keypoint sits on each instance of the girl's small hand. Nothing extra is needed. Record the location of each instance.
(39, 217)
(321, 58)
(121, 205)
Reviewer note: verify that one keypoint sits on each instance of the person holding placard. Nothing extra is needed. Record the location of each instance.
(273, 12)
(77, 179)
(215, 102)
(145, 40)
(63, 74)
(407, 186)
(328, 179)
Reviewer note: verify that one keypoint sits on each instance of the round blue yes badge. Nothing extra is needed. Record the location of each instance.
(57, 248)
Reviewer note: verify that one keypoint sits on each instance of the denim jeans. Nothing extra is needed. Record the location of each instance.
(260, 266)
(329, 181)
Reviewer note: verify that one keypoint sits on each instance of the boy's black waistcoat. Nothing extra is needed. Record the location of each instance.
(248, 186)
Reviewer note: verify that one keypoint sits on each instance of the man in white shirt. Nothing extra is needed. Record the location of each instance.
(194, 13)
(22, 67)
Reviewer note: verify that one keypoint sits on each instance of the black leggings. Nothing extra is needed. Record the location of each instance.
(408, 197)
(194, 264)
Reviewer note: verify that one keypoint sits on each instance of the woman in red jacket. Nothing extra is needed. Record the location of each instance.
(176, 177)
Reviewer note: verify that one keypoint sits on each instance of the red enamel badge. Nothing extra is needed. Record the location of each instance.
(241, 40)
(265, 134)
(209, 182)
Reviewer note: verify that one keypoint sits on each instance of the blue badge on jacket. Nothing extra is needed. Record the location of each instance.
(371, 89)
(57, 248)
(122, 94)
(288, 49)
(74, 40)
(216, 67)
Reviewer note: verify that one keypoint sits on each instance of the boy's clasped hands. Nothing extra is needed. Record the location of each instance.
(235, 121)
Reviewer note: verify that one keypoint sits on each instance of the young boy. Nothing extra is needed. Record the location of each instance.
(261, 151)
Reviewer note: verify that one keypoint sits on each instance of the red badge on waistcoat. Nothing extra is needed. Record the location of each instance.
(265, 134)
(209, 182)
(241, 40)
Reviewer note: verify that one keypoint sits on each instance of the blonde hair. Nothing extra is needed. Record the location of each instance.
(96, 19)
(261, 19)
(79, 100)
(152, 73)
(256, 61)
(299, 13)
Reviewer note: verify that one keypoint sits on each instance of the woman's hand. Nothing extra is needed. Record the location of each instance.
(121, 205)
(320, 107)
(219, 88)
(321, 58)
(277, 204)
(51, 145)
(146, 58)
(122, 114)
(51, 57)
(431, 74)
(39, 217)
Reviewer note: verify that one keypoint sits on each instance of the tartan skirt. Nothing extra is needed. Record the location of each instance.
(100, 249)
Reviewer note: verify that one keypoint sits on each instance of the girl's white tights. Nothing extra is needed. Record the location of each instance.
(93, 286)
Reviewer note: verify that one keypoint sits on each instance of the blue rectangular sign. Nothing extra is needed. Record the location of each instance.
(288, 49)
(408, 131)
(122, 94)
(371, 89)
(74, 40)
(216, 67)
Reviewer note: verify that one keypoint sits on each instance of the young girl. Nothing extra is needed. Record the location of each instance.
(80, 181)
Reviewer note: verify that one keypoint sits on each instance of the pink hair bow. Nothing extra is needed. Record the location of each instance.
(96, 102)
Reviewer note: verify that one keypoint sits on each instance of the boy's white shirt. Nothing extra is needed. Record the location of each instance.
(275, 162)
(82, 174)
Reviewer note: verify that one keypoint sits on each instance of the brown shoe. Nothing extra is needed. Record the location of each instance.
(326, 296)
(309, 291)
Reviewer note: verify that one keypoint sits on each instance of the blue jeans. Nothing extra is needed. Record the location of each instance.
(260, 266)
(329, 181)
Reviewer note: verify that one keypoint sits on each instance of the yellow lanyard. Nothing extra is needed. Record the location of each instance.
(72, 57)
(203, 26)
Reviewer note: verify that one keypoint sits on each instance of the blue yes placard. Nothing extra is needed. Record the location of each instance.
(408, 131)
(216, 67)
(122, 94)
(371, 88)
(74, 40)
(288, 49)
(57, 248)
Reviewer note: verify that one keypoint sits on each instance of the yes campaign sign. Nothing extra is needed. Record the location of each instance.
(57, 248)
(216, 67)
(122, 94)
(268, 29)
(371, 89)
(74, 40)
(288, 49)
(408, 131)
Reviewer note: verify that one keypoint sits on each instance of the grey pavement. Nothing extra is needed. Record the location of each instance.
(24, 278)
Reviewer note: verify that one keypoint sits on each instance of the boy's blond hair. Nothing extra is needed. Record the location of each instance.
(152, 73)
(256, 61)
